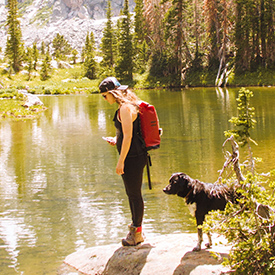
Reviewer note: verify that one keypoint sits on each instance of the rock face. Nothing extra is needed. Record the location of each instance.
(43, 19)
(31, 100)
(168, 254)
(73, 4)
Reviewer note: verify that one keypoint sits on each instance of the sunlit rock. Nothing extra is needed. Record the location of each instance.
(166, 254)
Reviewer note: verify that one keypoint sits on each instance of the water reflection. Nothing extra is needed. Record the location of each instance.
(58, 188)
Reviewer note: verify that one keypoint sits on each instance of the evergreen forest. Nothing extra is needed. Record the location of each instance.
(168, 43)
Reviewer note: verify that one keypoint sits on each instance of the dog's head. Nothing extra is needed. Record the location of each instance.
(178, 185)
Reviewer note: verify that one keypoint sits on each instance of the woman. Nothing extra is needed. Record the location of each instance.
(132, 156)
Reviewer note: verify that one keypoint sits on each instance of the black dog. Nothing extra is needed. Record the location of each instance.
(206, 196)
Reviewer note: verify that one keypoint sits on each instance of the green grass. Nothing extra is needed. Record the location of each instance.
(71, 81)
(259, 78)
(13, 108)
(62, 81)
(205, 78)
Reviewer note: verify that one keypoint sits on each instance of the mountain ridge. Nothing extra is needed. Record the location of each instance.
(41, 20)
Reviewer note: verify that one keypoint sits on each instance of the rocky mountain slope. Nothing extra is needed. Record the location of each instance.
(42, 19)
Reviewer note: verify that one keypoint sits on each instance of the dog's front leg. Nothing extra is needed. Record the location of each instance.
(198, 246)
(209, 244)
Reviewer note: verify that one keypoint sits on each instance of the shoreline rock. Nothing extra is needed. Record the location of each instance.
(165, 254)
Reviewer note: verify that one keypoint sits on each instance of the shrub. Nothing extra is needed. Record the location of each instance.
(249, 224)
(46, 91)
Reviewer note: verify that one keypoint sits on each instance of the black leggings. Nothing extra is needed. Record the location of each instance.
(132, 178)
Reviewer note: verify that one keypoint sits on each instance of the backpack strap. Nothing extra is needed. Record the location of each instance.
(148, 157)
(148, 164)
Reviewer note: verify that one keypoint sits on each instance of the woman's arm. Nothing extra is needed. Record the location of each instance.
(126, 116)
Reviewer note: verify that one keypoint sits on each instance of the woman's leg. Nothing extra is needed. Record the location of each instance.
(132, 178)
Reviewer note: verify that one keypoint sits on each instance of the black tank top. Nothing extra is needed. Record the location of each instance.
(137, 148)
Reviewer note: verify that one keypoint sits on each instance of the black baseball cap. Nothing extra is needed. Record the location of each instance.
(111, 83)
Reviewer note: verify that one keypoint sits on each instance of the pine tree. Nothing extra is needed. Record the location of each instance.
(139, 23)
(270, 34)
(14, 46)
(35, 54)
(42, 48)
(124, 68)
(211, 12)
(29, 58)
(86, 48)
(83, 54)
(74, 53)
(46, 67)
(254, 35)
(107, 44)
(174, 37)
(142, 57)
(61, 47)
(140, 47)
(89, 53)
(242, 37)
(87, 44)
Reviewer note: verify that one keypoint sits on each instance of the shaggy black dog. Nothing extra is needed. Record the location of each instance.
(205, 196)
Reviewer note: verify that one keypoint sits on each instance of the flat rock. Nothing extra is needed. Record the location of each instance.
(164, 254)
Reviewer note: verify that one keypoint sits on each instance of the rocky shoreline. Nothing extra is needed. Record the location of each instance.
(165, 254)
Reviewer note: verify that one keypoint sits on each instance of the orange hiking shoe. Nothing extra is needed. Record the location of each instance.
(134, 236)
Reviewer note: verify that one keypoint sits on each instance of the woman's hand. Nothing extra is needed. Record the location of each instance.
(110, 140)
(120, 167)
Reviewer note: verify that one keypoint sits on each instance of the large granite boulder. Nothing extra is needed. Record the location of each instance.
(167, 254)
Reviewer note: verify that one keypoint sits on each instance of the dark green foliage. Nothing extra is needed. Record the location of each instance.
(74, 53)
(195, 66)
(142, 56)
(254, 35)
(245, 121)
(46, 67)
(124, 68)
(140, 45)
(61, 47)
(163, 65)
(107, 45)
(174, 37)
(249, 224)
(139, 22)
(159, 64)
(29, 58)
(90, 65)
(14, 46)
(249, 227)
(213, 59)
(35, 55)
(42, 48)
(214, 31)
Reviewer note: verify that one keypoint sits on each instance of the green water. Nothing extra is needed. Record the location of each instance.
(58, 189)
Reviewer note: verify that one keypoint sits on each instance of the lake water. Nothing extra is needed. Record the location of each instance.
(58, 189)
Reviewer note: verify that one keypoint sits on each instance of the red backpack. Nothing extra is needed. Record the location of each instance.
(149, 125)
(150, 131)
